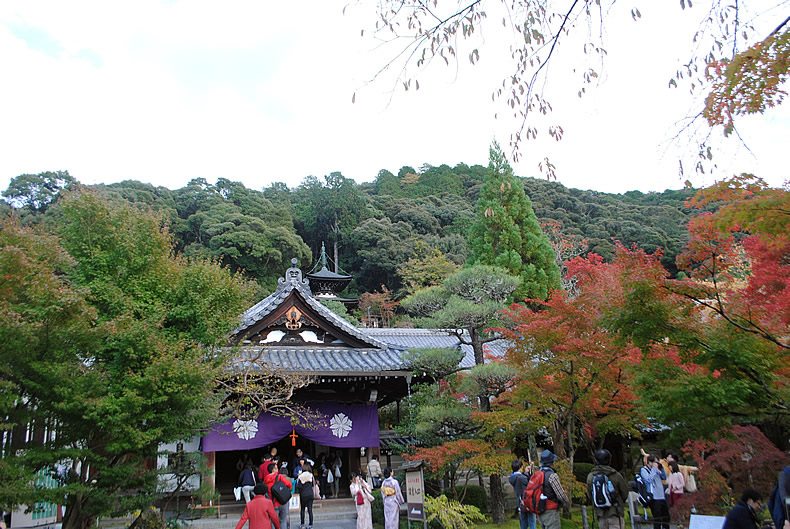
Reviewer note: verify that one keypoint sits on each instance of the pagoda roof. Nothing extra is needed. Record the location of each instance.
(326, 273)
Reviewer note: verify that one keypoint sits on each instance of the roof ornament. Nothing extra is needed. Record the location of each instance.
(323, 257)
(293, 315)
(293, 275)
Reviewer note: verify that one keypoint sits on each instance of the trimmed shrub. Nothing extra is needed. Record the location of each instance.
(377, 508)
(475, 495)
(580, 471)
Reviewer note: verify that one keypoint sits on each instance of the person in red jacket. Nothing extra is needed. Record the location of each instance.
(273, 475)
(264, 468)
(260, 511)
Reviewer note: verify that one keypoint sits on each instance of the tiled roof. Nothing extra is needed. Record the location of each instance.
(422, 338)
(326, 360)
(386, 345)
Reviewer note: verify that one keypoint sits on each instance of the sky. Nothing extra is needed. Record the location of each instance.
(262, 92)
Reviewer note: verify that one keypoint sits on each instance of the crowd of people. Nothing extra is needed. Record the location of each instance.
(665, 481)
(312, 480)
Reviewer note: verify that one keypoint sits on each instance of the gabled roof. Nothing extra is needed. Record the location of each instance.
(287, 287)
(425, 338)
(353, 351)
(357, 351)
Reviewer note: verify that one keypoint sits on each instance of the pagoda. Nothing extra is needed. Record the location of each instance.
(325, 284)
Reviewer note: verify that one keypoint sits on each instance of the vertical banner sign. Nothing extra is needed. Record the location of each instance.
(415, 494)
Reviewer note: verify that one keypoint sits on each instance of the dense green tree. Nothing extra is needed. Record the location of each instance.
(146, 196)
(426, 268)
(644, 220)
(36, 192)
(439, 180)
(380, 247)
(240, 227)
(115, 329)
(329, 211)
(387, 184)
(468, 300)
(506, 232)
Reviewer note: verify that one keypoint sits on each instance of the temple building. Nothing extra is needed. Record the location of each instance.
(353, 372)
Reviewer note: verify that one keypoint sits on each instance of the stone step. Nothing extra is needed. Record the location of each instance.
(334, 509)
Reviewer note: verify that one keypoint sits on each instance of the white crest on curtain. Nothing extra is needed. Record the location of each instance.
(340, 425)
(245, 429)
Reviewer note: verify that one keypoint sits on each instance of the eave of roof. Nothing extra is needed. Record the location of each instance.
(314, 360)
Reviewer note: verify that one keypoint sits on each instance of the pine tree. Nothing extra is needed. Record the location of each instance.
(506, 232)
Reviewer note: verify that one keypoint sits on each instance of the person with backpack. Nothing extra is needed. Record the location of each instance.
(519, 480)
(273, 475)
(544, 494)
(653, 475)
(777, 503)
(607, 492)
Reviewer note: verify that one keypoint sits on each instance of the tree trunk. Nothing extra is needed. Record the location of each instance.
(571, 444)
(477, 347)
(497, 499)
(558, 438)
(75, 516)
(532, 448)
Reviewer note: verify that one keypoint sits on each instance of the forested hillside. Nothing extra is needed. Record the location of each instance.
(371, 229)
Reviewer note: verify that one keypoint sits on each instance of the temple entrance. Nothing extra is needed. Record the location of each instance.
(229, 464)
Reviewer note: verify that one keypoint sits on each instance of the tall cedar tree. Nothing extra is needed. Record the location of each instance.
(109, 343)
(506, 232)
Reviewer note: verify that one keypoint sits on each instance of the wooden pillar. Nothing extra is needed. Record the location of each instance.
(354, 460)
(209, 476)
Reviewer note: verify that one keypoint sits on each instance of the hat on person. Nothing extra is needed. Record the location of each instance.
(547, 458)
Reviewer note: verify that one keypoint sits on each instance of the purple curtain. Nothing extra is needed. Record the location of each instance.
(344, 426)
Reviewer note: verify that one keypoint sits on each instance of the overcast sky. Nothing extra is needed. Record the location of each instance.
(259, 92)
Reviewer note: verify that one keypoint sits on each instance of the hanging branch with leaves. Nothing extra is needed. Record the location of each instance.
(255, 386)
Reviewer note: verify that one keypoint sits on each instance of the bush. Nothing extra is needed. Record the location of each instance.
(580, 471)
(450, 513)
(475, 495)
(377, 508)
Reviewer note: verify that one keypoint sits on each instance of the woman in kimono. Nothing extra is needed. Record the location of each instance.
(393, 499)
(362, 498)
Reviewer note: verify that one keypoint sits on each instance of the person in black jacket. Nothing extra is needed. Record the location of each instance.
(247, 481)
(744, 514)
(612, 517)
(777, 503)
(519, 479)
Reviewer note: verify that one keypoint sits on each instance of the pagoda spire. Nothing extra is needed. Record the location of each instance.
(323, 256)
